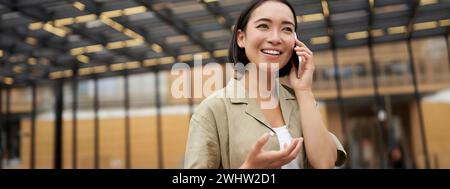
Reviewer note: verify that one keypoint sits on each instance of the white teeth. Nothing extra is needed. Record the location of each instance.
(272, 52)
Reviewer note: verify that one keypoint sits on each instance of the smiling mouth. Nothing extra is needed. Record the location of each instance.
(271, 52)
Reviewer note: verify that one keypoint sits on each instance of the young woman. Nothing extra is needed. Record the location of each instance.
(233, 132)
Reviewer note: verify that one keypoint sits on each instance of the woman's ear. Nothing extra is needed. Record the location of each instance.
(240, 39)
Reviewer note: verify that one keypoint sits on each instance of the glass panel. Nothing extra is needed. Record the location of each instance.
(144, 149)
(355, 71)
(85, 130)
(175, 124)
(45, 127)
(112, 122)
(324, 85)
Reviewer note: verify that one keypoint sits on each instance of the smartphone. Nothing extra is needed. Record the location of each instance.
(299, 66)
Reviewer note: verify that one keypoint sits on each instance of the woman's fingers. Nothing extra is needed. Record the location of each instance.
(287, 158)
(294, 144)
(274, 159)
(276, 156)
(301, 44)
(297, 142)
(294, 153)
(285, 153)
(288, 148)
(304, 55)
(260, 143)
(303, 49)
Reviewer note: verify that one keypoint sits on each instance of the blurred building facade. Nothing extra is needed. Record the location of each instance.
(388, 101)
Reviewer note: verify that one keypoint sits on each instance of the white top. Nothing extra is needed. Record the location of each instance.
(284, 137)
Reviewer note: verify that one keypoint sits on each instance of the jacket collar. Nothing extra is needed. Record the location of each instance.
(236, 91)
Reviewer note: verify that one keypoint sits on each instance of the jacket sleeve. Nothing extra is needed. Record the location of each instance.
(202, 148)
(341, 154)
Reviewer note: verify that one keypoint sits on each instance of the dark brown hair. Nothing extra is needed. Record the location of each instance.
(236, 54)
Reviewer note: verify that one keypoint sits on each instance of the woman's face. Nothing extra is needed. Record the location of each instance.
(269, 34)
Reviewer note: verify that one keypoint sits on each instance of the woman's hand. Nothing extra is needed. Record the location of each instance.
(257, 158)
(304, 83)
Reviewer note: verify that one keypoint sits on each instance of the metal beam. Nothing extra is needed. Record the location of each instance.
(181, 26)
(74, 116)
(1, 126)
(95, 10)
(167, 49)
(96, 126)
(215, 9)
(447, 43)
(127, 121)
(7, 127)
(58, 137)
(103, 43)
(33, 126)
(159, 135)
(414, 6)
(45, 18)
(8, 67)
(13, 6)
(379, 102)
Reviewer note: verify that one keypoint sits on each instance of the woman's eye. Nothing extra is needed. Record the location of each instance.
(288, 29)
(262, 26)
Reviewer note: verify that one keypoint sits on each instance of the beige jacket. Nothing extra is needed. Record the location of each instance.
(225, 126)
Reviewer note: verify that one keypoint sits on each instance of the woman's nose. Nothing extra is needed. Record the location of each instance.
(274, 38)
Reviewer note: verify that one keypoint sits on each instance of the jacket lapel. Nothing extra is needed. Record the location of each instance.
(287, 103)
(252, 108)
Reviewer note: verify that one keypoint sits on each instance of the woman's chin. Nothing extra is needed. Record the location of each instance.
(273, 70)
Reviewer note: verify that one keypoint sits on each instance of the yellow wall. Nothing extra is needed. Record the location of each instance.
(144, 152)
(436, 119)
(44, 144)
(438, 133)
(25, 142)
(174, 137)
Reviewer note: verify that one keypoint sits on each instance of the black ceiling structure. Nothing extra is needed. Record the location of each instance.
(44, 40)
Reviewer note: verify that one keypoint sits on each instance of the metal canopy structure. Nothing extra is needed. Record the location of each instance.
(46, 40)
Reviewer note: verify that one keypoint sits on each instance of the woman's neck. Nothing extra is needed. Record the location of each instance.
(261, 87)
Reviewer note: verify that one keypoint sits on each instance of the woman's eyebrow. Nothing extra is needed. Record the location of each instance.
(263, 19)
(288, 23)
(269, 20)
